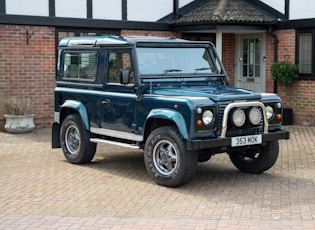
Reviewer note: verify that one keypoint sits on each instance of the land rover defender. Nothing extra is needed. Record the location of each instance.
(169, 97)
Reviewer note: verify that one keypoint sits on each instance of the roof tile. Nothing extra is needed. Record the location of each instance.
(225, 11)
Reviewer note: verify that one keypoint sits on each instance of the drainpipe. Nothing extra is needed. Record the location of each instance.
(218, 43)
(275, 55)
(175, 8)
(287, 9)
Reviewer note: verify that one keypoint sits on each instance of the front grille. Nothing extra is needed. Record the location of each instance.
(232, 129)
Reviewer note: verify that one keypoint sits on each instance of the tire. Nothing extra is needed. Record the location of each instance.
(166, 158)
(75, 141)
(254, 162)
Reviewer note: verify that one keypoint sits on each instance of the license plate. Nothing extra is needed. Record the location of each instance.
(246, 140)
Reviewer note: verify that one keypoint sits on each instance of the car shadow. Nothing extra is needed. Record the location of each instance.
(216, 179)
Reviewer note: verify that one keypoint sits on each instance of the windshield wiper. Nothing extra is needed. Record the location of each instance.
(201, 69)
(171, 71)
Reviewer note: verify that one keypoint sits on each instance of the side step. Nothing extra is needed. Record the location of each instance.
(98, 140)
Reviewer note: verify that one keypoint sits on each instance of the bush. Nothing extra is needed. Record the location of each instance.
(15, 106)
(285, 73)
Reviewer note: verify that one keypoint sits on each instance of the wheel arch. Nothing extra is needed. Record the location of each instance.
(164, 117)
(70, 107)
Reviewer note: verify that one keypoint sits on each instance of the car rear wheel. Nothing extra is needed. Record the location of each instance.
(166, 158)
(253, 161)
(75, 141)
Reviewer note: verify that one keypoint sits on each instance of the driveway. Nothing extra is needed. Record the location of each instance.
(40, 190)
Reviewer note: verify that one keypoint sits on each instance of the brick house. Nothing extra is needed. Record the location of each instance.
(249, 35)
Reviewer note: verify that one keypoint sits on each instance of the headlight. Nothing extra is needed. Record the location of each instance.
(254, 116)
(269, 111)
(207, 117)
(238, 117)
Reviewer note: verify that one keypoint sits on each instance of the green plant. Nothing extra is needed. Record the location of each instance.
(16, 106)
(285, 73)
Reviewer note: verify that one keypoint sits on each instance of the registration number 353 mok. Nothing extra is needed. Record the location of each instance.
(246, 140)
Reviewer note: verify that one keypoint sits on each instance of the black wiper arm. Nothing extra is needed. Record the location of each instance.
(201, 69)
(171, 71)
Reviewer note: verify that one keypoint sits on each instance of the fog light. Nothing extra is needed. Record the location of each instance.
(254, 116)
(238, 117)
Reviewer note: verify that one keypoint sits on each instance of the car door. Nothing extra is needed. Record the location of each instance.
(118, 99)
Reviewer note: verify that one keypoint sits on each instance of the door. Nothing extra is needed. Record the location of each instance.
(118, 100)
(251, 68)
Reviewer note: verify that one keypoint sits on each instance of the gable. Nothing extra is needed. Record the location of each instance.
(226, 11)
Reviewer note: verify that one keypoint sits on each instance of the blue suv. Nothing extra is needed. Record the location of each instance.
(169, 97)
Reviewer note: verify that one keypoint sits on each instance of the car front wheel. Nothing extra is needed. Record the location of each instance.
(166, 158)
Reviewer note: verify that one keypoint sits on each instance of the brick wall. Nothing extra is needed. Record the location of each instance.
(150, 33)
(300, 96)
(27, 68)
(228, 56)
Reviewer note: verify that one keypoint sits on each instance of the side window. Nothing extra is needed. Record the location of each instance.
(80, 66)
(118, 61)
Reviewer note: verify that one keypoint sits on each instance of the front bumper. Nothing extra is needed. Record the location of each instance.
(226, 141)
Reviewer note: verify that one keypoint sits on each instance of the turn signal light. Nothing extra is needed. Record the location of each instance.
(199, 123)
(278, 116)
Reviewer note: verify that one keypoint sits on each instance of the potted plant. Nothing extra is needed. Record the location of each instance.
(18, 115)
(285, 73)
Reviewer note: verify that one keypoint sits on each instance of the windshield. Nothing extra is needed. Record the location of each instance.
(176, 61)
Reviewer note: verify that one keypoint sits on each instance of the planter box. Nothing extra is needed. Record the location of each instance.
(19, 123)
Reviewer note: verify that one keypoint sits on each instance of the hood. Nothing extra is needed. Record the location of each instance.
(216, 93)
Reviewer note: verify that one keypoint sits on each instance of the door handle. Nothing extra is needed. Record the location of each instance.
(106, 102)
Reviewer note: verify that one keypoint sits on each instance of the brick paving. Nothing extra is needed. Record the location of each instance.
(40, 190)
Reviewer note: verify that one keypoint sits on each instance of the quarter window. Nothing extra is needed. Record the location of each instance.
(80, 66)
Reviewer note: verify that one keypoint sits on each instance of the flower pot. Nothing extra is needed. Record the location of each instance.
(19, 123)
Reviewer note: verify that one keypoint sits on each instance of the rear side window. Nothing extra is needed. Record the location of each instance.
(80, 66)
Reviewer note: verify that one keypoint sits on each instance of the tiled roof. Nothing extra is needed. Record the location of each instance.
(225, 11)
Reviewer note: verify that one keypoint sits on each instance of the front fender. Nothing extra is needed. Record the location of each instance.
(171, 115)
(80, 108)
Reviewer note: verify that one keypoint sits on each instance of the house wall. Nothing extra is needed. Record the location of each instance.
(228, 55)
(300, 96)
(27, 68)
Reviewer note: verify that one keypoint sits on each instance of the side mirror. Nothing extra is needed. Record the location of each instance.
(124, 76)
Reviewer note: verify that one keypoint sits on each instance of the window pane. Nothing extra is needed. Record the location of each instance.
(305, 52)
(80, 66)
(117, 62)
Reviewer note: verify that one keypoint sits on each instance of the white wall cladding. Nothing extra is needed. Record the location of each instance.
(137, 10)
(302, 9)
(27, 7)
(107, 9)
(71, 8)
(299, 9)
(276, 4)
(184, 2)
(148, 10)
